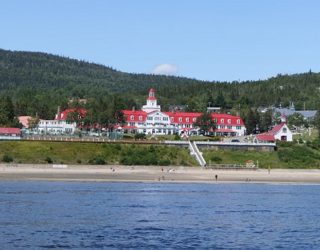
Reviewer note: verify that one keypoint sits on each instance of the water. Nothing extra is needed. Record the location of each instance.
(80, 215)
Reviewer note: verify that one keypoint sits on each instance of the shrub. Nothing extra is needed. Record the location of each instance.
(164, 162)
(98, 160)
(216, 159)
(7, 158)
(48, 159)
(79, 161)
(139, 136)
(298, 156)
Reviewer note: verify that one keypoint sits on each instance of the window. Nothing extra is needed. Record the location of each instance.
(150, 118)
(180, 119)
(140, 117)
(229, 121)
(222, 120)
(131, 117)
(172, 119)
(238, 121)
(238, 127)
(284, 130)
(222, 126)
(194, 119)
(215, 120)
(229, 127)
(187, 119)
(165, 118)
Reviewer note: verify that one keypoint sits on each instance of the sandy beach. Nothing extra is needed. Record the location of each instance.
(154, 174)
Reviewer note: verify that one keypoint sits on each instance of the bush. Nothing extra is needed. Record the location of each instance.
(315, 144)
(285, 144)
(98, 160)
(48, 159)
(7, 158)
(139, 136)
(298, 156)
(216, 159)
(164, 162)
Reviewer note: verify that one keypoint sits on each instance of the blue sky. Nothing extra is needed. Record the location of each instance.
(204, 39)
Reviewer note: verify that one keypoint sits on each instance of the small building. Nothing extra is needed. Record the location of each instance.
(279, 132)
(308, 115)
(62, 124)
(10, 134)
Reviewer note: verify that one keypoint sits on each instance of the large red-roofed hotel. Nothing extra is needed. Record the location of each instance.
(150, 120)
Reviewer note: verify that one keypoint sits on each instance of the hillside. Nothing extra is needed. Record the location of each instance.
(39, 82)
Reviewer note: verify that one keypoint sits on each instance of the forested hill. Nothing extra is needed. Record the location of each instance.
(39, 82)
(42, 70)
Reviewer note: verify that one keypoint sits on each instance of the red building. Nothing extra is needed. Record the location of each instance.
(150, 120)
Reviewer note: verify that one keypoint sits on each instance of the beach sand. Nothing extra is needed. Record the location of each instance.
(110, 173)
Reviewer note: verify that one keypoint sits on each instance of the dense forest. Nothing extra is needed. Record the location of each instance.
(37, 83)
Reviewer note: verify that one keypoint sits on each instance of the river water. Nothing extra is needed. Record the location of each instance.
(78, 215)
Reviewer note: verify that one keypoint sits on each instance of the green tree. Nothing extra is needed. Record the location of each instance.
(317, 121)
(205, 123)
(265, 121)
(296, 120)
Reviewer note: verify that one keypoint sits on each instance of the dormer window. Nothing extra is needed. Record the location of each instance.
(187, 119)
(229, 121)
(131, 117)
(238, 121)
(222, 120)
(180, 119)
(140, 117)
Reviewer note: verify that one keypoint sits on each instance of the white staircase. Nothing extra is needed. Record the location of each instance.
(194, 151)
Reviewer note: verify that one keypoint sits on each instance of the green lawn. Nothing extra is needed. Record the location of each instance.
(286, 156)
(93, 153)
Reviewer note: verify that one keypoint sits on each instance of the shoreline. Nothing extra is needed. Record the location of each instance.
(168, 174)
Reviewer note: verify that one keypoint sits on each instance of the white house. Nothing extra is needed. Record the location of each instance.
(62, 124)
(56, 127)
(279, 132)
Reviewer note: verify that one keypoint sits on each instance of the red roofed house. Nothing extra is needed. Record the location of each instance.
(150, 120)
(10, 134)
(62, 124)
(279, 132)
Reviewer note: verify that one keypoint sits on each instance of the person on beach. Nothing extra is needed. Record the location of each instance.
(216, 176)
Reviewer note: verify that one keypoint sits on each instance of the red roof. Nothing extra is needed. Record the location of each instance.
(265, 137)
(135, 115)
(4, 131)
(226, 119)
(64, 114)
(276, 128)
(182, 117)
